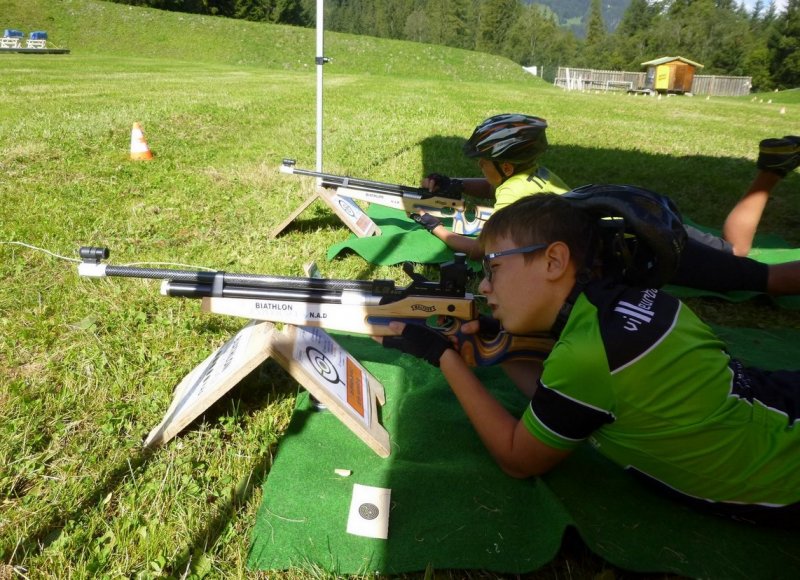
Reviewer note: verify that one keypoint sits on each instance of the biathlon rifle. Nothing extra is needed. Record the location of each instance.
(358, 306)
(467, 219)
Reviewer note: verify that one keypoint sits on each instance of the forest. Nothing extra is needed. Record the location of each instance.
(722, 35)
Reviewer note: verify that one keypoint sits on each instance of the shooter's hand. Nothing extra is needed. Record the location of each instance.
(419, 341)
(435, 182)
(426, 220)
(484, 326)
(438, 182)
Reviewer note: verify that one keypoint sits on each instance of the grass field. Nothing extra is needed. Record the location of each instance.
(87, 367)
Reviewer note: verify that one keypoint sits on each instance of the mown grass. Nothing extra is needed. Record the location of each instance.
(88, 366)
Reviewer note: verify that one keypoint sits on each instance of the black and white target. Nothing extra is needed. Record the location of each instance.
(323, 365)
(348, 209)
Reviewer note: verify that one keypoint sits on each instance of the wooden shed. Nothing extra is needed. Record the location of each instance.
(670, 74)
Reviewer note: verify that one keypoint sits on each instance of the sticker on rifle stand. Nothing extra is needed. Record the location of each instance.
(339, 373)
(349, 212)
(361, 221)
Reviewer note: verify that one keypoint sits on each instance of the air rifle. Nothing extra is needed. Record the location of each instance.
(467, 219)
(358, 306)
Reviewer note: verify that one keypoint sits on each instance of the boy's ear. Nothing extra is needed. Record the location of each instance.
(508, 169)
(558, 260)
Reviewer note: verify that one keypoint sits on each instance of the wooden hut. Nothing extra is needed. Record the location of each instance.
(670, 74)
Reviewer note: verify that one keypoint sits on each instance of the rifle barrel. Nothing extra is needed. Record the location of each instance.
(190, 290)
(199, 283)
(363, 184)
(250, 280)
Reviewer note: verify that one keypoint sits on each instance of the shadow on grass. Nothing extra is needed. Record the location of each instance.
(705, 186)
(247, 397)
(50, 531)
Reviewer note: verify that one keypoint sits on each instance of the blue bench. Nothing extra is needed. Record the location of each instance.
(12, 38)
(37, 39)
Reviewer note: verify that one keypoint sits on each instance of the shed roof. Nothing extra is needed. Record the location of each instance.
(666, 59)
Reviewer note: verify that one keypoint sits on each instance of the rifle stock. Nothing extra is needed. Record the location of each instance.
(357, 306)
(467, 219)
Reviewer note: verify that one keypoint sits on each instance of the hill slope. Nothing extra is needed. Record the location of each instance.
(574, 13)
(94, 26)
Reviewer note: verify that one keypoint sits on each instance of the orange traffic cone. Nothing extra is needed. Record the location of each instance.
(139, 148)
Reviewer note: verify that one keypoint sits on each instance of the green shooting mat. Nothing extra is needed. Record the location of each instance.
(453, 508)
(403, 240)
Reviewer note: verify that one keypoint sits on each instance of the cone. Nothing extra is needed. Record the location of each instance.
(139, 149)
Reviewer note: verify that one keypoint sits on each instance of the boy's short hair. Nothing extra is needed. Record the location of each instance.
(543, 218)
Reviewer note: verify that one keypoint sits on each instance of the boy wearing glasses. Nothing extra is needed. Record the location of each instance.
(633, 372)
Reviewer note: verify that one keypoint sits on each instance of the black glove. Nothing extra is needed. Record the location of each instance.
(489, 327)
(421, 342)
(426, 220)
(446, 184)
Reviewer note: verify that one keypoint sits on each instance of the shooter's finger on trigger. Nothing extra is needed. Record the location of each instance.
(471, 327)
(397, 327)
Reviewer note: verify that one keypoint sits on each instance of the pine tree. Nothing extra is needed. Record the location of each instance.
(784, 47)
(536, 39)
(595, 53)
(595, 28)
(288, 12)
(631, 41)
(496, 18)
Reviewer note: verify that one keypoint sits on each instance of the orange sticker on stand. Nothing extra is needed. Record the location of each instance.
(355, 387)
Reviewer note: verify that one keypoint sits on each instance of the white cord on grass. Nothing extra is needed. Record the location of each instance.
(126, 265)
(42, 250)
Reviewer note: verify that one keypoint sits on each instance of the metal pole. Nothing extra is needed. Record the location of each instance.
(320, 61)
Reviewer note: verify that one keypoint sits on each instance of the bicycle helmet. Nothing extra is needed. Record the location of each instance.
(508, 138)
(642, 246)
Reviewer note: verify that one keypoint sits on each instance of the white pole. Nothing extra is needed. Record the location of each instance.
(320, 61)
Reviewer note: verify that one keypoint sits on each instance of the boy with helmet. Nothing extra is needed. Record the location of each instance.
(508, 148)
(633, 371)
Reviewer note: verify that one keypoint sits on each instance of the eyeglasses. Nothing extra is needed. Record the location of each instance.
(487, 259)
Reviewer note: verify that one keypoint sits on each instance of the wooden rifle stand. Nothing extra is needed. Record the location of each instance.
(309, 355)
(344, 207)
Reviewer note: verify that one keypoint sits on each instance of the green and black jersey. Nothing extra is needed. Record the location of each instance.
(639, 376)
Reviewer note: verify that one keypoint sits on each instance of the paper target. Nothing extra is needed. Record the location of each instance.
(322, 365)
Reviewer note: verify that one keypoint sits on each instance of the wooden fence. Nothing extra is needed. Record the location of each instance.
(721, 86)
(583, 79)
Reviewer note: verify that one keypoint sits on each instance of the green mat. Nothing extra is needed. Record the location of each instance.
(452, 508)
(404, 240)
(401, 240)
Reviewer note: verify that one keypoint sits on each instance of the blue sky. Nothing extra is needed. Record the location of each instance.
(779, 4)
